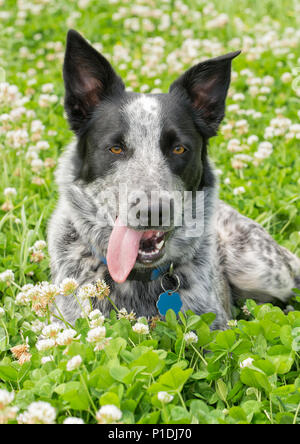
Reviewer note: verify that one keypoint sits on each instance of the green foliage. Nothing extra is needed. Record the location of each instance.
(237, 376)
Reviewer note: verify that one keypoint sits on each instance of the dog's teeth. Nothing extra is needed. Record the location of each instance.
(159, 246)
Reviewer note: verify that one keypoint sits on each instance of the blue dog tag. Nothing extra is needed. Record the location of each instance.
(169, 300)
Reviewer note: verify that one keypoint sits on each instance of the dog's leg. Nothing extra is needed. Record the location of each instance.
(255, 265)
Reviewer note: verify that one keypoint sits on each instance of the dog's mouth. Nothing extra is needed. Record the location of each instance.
(127, 246)
(151, 246)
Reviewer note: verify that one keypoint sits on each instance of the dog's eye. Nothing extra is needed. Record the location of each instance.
(179, 150)
(116, 150)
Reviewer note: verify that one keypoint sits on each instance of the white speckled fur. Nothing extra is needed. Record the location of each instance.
(234, 256)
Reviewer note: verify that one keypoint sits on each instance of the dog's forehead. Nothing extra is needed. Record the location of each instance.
(144, 120)
(143, 108)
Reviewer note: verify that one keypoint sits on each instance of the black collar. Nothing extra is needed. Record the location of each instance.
(144, 275)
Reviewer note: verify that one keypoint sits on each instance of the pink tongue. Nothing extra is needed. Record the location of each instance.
(123, 248)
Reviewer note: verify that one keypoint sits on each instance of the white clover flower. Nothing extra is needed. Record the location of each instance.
(243, 157)
(252, 139)
(37, 126)
(47, 88)
(37, 165)
(30, 114)
(39, 245)
(10, 192)
(295, 128)
(97, 318)
(265, 90)
(45, 344)
(164, 397)
(238, 97)
(234, 145)
(253, 90)
(38, 413)
(87, 291)
(6, 398)
(96, 334)
(190, 337)
(238, 190)
(51, 330)
(46, 100)
(66, 337)
(17, 139)
(95, 314)
(30, 155)
(124, 314)
(141, 329)
(286, 77)
(108, 414)
(266, 146)
(42, 145)
(74, 363)
(17, 113)
(232, 323)
(82, 4)
(36, 255)
(7, 276)
(246, 363)
(68, 286)
(7, 413)
(262, 154)
(238, 164)
(73, 420)
(233, 108)
(242, 126)
(4, 118)
(102, 344)
(2, 312)
(245, 310)
(268, 80)
(46, 359)
(227, 129)
(218, 22)
(22, 298)
(85, 308)
(37, 326)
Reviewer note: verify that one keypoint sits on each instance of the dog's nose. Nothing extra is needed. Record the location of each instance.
(155, 214)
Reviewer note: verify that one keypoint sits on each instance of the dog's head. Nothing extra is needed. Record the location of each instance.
(148, 144)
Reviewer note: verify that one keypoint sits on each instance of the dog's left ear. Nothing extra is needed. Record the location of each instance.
(89, 79)
(206, 85)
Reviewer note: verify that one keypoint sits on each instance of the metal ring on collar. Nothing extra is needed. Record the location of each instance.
(173, 276)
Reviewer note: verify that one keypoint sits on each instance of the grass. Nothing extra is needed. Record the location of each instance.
(150, 43)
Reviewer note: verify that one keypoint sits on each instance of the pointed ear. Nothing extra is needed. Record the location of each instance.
(206, 85)
(88, 77)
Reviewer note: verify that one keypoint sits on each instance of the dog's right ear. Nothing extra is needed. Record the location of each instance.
(88, 77)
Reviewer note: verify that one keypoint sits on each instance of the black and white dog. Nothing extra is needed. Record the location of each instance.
(150, 143)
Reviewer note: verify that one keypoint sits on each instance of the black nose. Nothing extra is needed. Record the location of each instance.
(157, 214)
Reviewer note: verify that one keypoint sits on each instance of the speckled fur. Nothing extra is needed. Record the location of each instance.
(234, 256)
